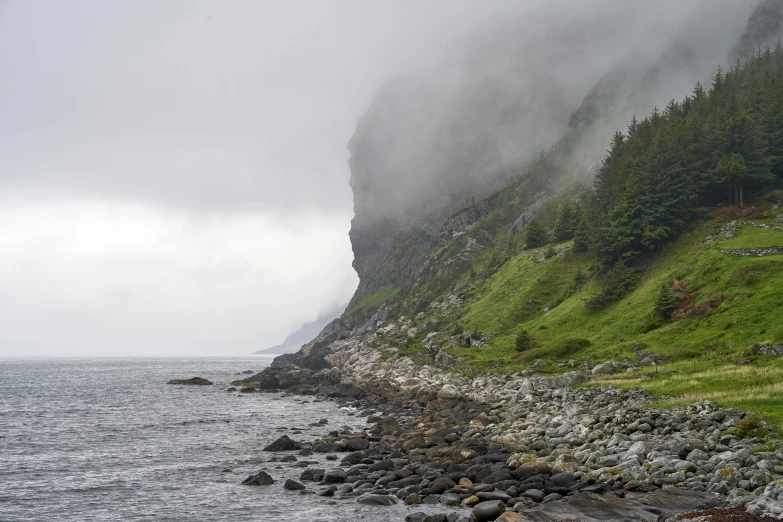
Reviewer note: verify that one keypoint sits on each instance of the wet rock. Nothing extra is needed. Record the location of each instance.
(259, 479)
(293, 485)
(334, 476)
(284, 443)
(358, 444)
(197, 381)
(377, 500)
(488, 511)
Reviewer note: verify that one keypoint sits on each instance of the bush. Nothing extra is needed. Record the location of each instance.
(751, 426)
(524, 341)
(550, 253)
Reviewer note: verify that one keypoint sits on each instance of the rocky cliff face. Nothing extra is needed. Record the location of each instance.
(430, 146)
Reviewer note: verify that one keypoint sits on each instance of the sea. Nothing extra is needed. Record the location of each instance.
(107, 439)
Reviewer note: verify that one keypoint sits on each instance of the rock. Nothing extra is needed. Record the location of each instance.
(293, 485)
(259, 479)
(438, 517)
(441, 485)
(377, 500)
(510, 516)
(607, 367)
(284, 443)
(334, 476)
(488, 511)
(312, 474)
(449, 499)
(563, 480)
(412, 500)
(198, 381)
(416, 517)
(534, 494)
(357, 444)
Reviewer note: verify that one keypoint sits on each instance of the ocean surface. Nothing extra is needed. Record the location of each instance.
(107, 439)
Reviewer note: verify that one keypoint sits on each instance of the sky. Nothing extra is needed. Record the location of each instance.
(173, 175)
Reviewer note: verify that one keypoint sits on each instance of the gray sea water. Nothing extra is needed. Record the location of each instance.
(108, 439)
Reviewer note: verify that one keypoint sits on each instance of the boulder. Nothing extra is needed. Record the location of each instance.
(259, 479)
(487, 511)
(284, 443)
(334, 476)
(293, 485)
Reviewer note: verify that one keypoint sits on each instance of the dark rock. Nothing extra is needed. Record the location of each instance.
(563, 480)
(198, 381)
(284, 443)
(259, 479)
(293, 485)
(358, 444)
(441, 485)
(493, 495)
(334, 476)
(534, 494)
(487, 511)
(312, 474)
(381, 466)
(327, 492)
(450, 499)
(377, 500)
(658, 505)
(431, 499)
(354, 457)
(416, 517)
(326, 447)
(439, 517)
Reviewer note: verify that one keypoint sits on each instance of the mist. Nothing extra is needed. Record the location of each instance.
(175, 176)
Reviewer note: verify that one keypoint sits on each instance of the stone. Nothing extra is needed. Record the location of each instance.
(449, 499)
(358, 444)
(259, 479)
(293, 485)
(334, 476)
(377, 500)
(534, 494)
(412, 500)
(488, 511)
(441, 485)
(284, 443)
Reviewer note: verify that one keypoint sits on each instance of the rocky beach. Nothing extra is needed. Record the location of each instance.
(517, 447)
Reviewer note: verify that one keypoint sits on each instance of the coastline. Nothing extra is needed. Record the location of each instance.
(542, 449)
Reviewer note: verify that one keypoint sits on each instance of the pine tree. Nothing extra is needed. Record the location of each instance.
(581, 235)
(665, 304)
(524, 341)
(535, 234)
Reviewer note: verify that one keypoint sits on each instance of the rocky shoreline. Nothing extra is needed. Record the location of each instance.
(515, 448)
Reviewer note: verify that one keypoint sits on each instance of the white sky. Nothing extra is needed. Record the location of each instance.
(173, 174)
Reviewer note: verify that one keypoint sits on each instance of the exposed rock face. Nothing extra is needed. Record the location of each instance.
(763, 29)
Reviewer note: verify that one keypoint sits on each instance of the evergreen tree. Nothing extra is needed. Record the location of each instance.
(565, 222)
(581, 235)
(665, 304)
(535, 234)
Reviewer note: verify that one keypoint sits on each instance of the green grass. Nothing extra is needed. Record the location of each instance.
(734, 302)
(373, 301)
(754, 237)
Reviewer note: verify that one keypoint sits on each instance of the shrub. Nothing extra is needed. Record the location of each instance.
(617, 282)
(550, 252)
(564, 347)
(524, 341)
(751, 426)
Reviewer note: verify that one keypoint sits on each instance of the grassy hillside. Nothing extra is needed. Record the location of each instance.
(728, 305)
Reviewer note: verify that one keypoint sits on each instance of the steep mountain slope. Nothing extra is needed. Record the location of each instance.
(560, 270)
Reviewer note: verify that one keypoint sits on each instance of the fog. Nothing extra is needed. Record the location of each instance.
(175, 177)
